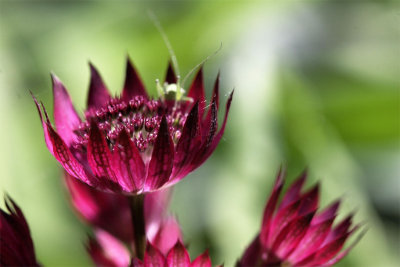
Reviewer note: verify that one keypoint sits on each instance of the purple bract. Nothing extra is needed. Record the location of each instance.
(133, 143)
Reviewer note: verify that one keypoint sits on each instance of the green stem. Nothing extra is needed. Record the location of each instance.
(139, 232)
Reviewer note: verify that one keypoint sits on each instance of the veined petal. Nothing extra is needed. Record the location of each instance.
(62, 153)
(187, 143)
(217, 138)
(129, 165)
(178, 256)
(212, 111)
(270, 208)
(65, 117)
(162, 158)
(99, 155)
(196, 91)
(98, 93)
(170, 76)
(133, 85)
(153, 257)
(203, 260)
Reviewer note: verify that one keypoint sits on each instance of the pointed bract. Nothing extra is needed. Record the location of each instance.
(161, 163)
(65, 116)
(133, 84)
(15, 239)
(132, 144)
(98, 92)
(293, 234)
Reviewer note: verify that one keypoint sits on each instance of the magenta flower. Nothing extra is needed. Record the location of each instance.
(293, 233)
(133, 143)
(111, 213)
(107, 251)
(16, 246)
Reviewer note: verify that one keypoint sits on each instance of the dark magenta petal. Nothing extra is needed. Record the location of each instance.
(217, 138)
(340, 229)
(293, 193)
(170, 76)
(270, 208)
(325, 253)
(178, 256)
(98, 93)
(65, 116)
(327, 214)
(313, 239)
(129, 166)
(290, 236)
(133, 85)
(212, 111)
(282, 218)
(62, 153)
(162, 158)
(252, 254)
(203, 260)
(15, 239)
(309, 201)
(47, 139)
(343, 253)
(153, 257)
(99, 155)
(188, 142)
(196, 91)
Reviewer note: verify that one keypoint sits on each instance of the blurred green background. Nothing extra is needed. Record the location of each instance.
(316, 85)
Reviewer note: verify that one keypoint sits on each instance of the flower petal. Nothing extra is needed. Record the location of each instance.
(270, 208)
(290, 236)
(196, 91)
(203, 260)
(133, 84)
(215, 141)
(293, 193)
(62, 153)
(162, 158)
(188, 142)
(167, 236)
(106, 250)
(178, 256)
(99, 155)
(252, 254)
(170, 76)
(98, 93)
(65, 117)
(129, 165)
(153, 257)
(309, 201)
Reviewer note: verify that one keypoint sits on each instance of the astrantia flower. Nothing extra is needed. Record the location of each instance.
(111, 213)
(16, 246)
(133, 143)
(293, 233)
(107, 251)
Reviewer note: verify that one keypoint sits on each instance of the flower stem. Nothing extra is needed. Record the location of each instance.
(139, 232)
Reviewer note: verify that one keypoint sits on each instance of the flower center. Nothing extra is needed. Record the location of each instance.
(139, 117)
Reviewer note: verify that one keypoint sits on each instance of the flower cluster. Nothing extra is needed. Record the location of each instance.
(133, 143)
(120, 162)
